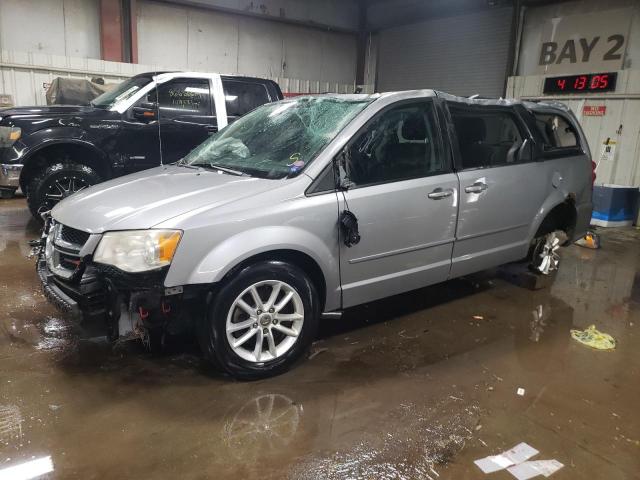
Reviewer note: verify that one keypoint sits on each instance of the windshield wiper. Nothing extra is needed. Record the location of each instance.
(182, 163)
(228, 170)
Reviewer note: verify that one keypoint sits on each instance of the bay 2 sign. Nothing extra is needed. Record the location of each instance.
(572, 51)
(558, 41)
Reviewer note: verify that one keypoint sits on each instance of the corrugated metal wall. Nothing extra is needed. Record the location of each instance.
(462, 55)
(197, 39)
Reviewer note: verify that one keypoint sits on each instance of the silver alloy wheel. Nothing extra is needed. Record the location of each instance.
(548, 257)
(264, 321)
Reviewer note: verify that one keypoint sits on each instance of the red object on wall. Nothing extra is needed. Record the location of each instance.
(134, 31)
(118, 31)
(594, 110)
(111, 30)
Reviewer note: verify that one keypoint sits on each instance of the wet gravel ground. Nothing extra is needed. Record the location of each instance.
(413, 387)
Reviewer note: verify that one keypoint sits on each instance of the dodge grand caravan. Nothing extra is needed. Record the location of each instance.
(308, 206)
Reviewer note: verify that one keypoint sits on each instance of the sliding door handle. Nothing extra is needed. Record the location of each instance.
(477, 187)
(439, 194)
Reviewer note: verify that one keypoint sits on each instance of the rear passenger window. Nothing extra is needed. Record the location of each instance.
(242, 97)
(556, 132)
(486, 138)
(399, 144)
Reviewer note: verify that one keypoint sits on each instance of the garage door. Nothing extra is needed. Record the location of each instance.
(462, 55)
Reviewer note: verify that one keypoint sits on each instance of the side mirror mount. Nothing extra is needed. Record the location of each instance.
(525, 152)
(343, 182)
(146, 111)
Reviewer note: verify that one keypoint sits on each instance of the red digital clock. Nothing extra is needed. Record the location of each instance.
(591, 83)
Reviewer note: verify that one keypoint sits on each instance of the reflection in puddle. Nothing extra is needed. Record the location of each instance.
(10, 424)
(27, 470)
(416, 441)
(538, 322)
(263, 425)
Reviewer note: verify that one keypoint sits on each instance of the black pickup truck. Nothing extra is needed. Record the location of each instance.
(152, 118)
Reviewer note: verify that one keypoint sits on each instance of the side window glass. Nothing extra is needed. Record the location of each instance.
(556, 132)
(182, 97)
(242, 97)
(400, 144)
(326, 181)
(486, 138)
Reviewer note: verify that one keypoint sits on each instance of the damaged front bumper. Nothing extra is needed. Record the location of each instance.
(124, 305)
(54, 294)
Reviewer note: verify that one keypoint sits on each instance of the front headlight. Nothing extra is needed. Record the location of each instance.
(138, 250)
(9, 135)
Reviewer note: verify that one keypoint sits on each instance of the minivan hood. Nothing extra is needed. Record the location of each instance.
(149, 197)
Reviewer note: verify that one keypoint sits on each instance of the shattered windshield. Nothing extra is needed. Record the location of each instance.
(121, 92)
(277, 140)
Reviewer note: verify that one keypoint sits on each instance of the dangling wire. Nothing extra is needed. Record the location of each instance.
(158, 121)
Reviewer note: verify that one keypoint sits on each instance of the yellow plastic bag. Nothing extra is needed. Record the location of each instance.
(594, 338)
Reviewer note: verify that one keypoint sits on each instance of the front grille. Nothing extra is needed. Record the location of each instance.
(71, 235)
(63, 250)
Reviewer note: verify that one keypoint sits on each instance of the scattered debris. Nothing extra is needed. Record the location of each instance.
(516, 462)
(317, 352)
(517, 454)
(590, 240)
(478, 317)
(526, 470)
(593, 338)
(520, 391)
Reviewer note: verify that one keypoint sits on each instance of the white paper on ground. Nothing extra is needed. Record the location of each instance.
(520, 453)
(517, 454)
(527, 470)
(493, 463)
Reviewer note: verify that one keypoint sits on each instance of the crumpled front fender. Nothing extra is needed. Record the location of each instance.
(235, 249)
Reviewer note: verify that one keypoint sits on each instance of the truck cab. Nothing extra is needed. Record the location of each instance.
(148, 120)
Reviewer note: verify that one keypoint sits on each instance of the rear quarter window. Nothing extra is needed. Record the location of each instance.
(558, 135)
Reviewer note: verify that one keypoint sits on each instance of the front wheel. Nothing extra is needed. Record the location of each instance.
(261, 321)
(57, 182)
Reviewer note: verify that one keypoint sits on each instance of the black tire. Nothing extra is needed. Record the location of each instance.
(212, 334)
(74, 175)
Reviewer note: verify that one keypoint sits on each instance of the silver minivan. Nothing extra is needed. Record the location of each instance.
(308, 206)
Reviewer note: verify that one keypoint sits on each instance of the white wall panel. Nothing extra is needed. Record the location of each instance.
(163, 35)
(338, 59)
(82, 28)
(260, 48)
(303, 51)
(58, 27)
(463, 54)
(213, 42)
(185, 37)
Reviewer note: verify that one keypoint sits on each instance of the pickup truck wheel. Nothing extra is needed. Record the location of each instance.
(261, 321)
(56, 183)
